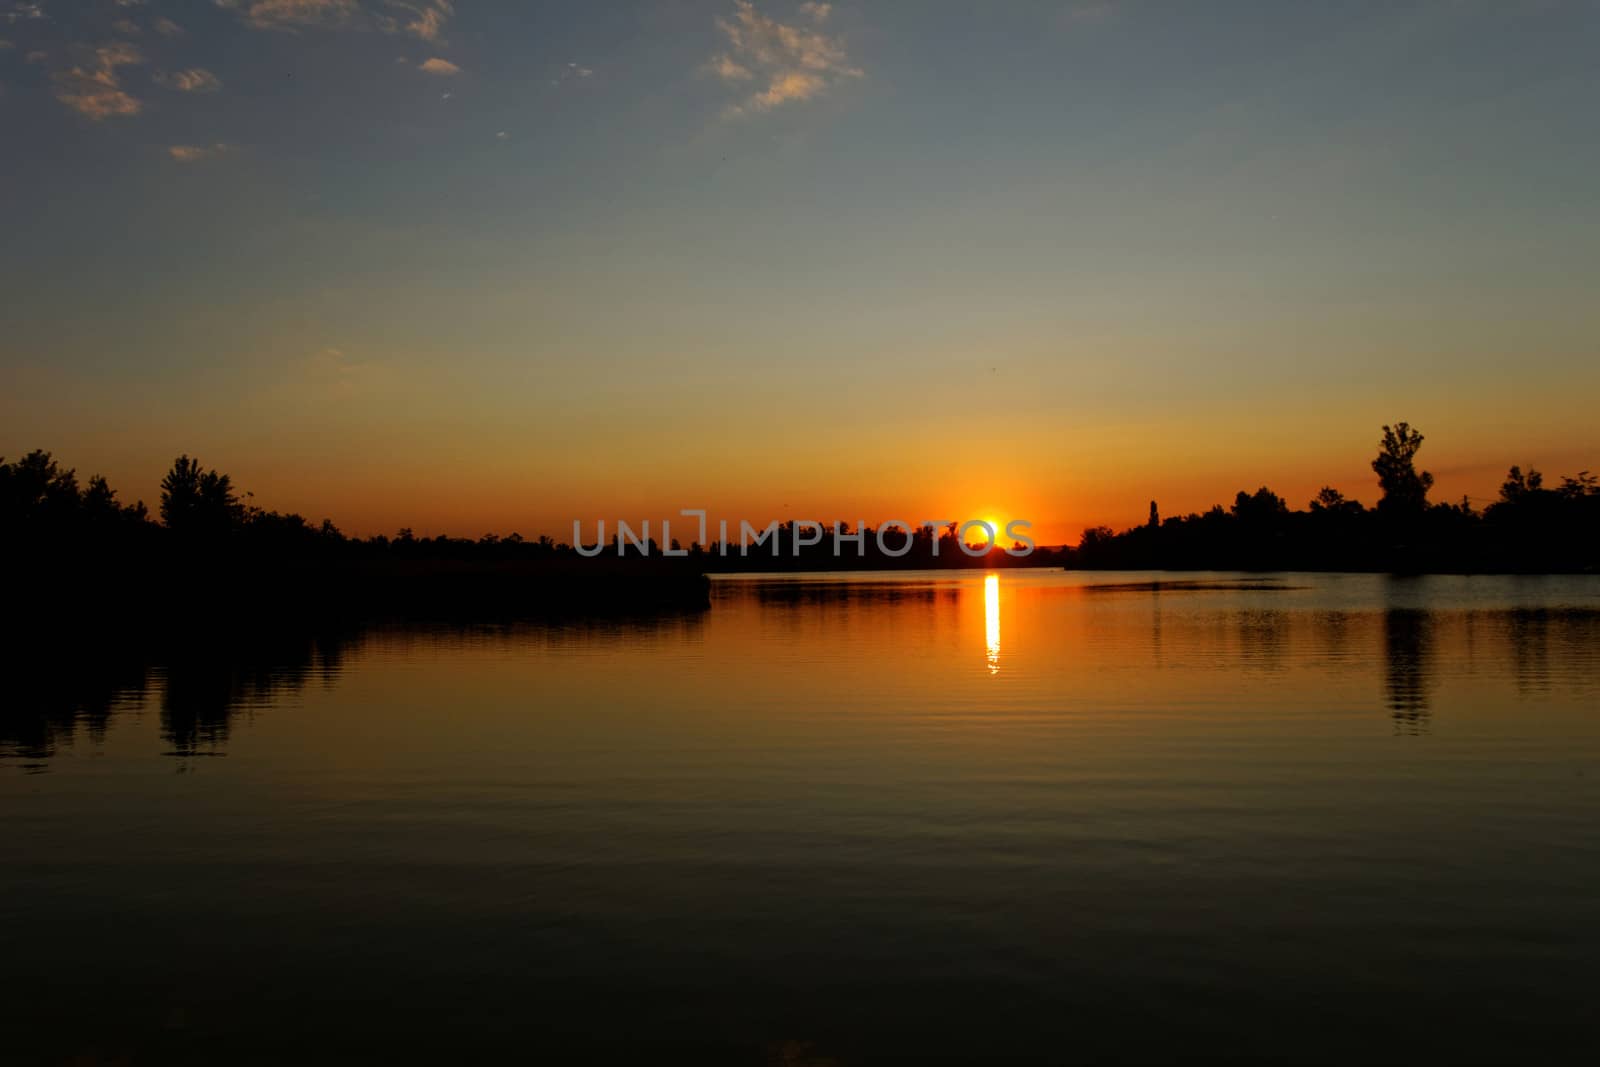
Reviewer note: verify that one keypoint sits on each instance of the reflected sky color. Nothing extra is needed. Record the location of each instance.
(1223, 813)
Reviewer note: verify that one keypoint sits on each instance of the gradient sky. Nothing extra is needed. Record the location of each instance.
(496, 265)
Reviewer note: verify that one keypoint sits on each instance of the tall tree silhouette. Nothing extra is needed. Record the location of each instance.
(198, 503)
(37, 491)
(1405, 489)
(1518, 486)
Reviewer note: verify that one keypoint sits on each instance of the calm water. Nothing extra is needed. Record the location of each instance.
(914, 818)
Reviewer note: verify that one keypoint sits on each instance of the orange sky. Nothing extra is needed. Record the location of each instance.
(469, 480)
(519, 264)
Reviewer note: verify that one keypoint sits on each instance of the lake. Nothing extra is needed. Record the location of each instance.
(1036, 817)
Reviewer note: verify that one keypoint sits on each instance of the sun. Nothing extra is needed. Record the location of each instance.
(996, 523)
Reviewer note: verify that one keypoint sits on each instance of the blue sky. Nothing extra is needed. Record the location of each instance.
(619, 255)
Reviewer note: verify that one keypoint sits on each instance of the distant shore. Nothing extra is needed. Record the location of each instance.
(75, 549)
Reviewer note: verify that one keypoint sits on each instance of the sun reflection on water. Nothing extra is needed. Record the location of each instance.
(991, 621)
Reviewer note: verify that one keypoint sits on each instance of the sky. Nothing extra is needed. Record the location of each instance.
(483, 266)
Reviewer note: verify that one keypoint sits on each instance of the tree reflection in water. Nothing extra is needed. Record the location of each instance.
(52, 694)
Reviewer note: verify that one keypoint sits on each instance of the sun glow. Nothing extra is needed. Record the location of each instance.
(996, 522)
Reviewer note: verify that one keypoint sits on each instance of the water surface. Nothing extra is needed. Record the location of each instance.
(1032, 817)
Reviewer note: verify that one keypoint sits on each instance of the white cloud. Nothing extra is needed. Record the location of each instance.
(94, 89)
(194, 153)
(293, 14)
(438, 66)
(422, 19)
(789, 62)
(91, 82)
(23, 12)
(729, 69)
(193, 80)
(572, 72)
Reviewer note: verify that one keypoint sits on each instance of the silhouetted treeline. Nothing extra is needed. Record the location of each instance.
(213, 547)
(75, 547)
(1529, 528)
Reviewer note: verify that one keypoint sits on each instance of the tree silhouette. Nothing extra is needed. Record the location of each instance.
(1404, 488)
(1261, 506)
(40, 501)
(1580, 486)
(1518, 485)
(1329, 499)
(198, 503)
(35, 489)
(75, 543)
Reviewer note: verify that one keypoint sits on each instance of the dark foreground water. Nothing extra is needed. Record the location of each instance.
(1041, 817)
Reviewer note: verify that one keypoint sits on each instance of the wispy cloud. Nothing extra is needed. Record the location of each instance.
(194, 153)
(422, 19)
(295, 14)
(335, 374)
(438, 66)
(729, 69)
(1081, 11)
(94, 89)
(193, 80)
(777, 62)
(572, 72)
(22, 13)
(92, 80)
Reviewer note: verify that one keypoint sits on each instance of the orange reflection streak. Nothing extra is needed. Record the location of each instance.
(991, 621)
